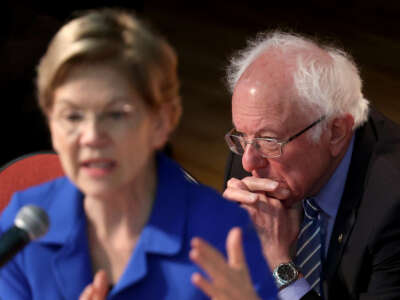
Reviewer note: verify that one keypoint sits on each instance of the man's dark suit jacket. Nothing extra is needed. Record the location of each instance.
(363, 259)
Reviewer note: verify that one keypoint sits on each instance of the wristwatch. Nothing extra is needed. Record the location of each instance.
(285, 274)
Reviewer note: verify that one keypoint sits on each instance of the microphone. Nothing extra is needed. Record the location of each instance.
(30, 223)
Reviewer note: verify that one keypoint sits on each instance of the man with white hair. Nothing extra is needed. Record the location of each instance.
(316, 169)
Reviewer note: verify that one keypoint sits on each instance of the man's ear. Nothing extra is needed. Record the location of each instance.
(341, 129)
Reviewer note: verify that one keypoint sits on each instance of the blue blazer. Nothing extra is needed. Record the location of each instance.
(58, 266)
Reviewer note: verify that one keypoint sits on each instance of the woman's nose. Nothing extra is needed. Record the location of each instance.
(92, 133)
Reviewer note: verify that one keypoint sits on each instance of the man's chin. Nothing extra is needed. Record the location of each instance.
(291, 203)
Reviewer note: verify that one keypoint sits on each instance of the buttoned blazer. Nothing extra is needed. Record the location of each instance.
(363, 260)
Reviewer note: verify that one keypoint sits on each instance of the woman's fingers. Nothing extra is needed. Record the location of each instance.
(98, 289)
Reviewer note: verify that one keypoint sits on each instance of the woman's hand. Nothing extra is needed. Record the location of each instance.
(229, 280)
(98, 289)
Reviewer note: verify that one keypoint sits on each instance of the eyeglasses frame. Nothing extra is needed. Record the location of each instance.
(281, 143)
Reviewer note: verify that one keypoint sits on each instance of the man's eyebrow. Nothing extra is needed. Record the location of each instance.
(267, 137)
(260, 135)
(241, 134)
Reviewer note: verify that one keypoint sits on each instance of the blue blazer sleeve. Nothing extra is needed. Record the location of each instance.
(13, 284)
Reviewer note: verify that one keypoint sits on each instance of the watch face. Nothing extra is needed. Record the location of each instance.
(286, 272)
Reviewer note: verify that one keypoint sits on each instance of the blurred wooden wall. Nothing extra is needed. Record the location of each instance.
(205, 34)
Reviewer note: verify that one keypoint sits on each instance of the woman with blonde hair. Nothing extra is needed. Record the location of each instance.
(108, 87)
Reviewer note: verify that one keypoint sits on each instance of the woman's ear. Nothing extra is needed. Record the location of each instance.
(162, 125)
(341, 129)
(52, 129)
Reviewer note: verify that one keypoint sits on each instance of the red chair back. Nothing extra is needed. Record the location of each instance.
(27, 171)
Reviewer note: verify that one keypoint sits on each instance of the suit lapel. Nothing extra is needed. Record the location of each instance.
(363, 148)
(163, 235)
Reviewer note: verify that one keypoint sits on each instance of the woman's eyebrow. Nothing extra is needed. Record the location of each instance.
(67, 102)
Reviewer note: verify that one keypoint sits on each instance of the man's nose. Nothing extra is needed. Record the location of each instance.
(252, 158)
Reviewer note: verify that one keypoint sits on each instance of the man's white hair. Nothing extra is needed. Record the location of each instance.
(330, 87)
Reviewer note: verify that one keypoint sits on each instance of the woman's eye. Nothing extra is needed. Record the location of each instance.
(116, 115)
(74, 117)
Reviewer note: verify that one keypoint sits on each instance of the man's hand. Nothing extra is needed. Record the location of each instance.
(245, 190)
(229, 280)
(98, 289)
(277, 224)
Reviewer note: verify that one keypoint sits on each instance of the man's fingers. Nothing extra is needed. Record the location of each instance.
(236, 183)
(208, 258)
(260, 184)
(251, 209)
(234, 249)
(255, 216)
(203, 284)
(268, 186)
(239, 195)
(251, 189)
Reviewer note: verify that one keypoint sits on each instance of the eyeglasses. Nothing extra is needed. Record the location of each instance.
(72, 119)
(266, 146)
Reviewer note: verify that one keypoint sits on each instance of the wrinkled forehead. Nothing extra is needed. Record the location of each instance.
(269, 76)
(272, 72)
(267, 109)
(266, 95)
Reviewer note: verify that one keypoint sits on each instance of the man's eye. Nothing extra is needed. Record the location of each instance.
(238, 133)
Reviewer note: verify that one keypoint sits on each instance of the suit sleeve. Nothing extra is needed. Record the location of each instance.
(384, 282)
(381, 215)
(311, 295)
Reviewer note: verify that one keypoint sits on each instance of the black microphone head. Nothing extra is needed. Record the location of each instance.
(33, 220)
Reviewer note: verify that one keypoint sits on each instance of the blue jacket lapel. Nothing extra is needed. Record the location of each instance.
(70, 262)
(164, 232)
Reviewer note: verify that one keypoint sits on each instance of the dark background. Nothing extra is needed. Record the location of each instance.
(205, 34)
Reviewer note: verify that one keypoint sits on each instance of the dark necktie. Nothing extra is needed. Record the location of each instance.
(309, 247)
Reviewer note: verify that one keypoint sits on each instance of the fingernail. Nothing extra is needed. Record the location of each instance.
(253, 198)
(273, 184)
